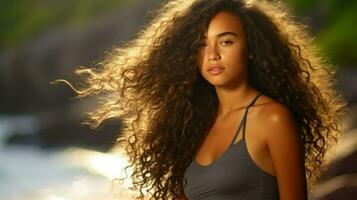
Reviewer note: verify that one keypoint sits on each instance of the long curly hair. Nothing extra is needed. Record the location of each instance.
(153, 84)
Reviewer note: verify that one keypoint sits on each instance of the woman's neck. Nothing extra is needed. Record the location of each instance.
(230, 100)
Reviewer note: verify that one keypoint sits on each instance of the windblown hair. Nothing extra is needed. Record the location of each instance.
(153, 84)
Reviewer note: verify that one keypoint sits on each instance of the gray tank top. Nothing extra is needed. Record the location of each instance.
(234, 175)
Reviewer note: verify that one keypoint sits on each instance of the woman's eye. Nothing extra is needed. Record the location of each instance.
(227, 42)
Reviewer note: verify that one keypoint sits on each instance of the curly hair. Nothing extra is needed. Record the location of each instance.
(153, 84)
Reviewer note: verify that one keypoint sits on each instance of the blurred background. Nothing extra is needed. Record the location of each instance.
(45, 152)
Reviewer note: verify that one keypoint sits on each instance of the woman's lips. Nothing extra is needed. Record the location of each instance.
(215, 70)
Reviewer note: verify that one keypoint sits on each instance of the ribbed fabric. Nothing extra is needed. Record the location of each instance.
(233, 176)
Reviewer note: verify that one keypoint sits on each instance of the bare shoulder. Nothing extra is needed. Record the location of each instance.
(275, 119)
(272, 111)
(281, 135)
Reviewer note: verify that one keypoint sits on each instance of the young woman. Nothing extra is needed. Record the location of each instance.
(223, 99)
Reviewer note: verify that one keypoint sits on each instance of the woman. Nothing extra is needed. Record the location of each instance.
(185, 85)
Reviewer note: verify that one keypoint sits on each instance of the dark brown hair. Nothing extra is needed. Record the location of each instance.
(154, 85)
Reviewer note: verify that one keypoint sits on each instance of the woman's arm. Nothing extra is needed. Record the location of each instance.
(286, 150)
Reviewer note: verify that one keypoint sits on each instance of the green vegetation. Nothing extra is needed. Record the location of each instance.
(337, 35)
(22, 19)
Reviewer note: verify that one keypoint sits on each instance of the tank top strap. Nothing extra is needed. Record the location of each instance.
(243, 121)
(245, 117)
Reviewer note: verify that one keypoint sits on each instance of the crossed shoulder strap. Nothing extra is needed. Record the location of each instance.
(244, 119)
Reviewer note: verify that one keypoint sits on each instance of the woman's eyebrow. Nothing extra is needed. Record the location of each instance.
(227, 33)
(224, 34)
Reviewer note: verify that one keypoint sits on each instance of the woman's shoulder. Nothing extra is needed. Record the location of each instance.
(275, 119)
(271, 110)
(282, 138)
(273, 115)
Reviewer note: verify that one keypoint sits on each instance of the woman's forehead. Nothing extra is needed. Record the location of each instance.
(224, 22)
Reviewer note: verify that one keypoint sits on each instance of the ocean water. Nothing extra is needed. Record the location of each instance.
(31, 173)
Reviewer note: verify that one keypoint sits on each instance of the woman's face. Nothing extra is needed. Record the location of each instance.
(222, 55)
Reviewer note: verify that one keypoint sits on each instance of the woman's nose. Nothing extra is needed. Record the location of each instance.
(213, 54)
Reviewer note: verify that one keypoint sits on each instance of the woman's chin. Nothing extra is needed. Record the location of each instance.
(223, 83)
(217, 83)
